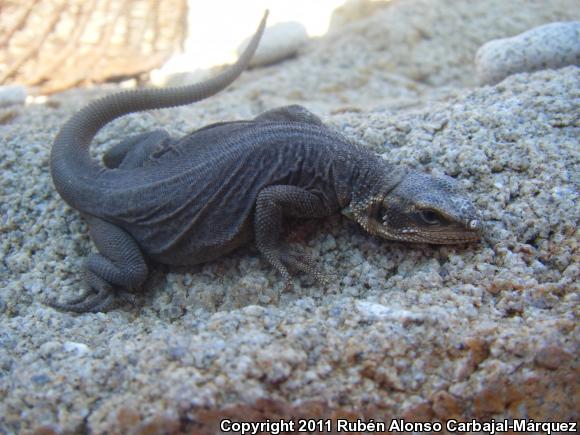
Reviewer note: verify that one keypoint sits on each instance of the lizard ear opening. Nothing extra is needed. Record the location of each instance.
(382, 213)
(347, 212)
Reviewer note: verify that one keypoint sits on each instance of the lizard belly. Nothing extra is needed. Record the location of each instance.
(203, 206)
(196, 247)
(191, 222)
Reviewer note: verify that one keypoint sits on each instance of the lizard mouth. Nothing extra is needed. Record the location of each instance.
(449, 237)
(441, 237)
(419, 228)
(440, 233)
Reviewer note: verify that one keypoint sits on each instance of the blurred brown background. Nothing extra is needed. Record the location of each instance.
(51, 45)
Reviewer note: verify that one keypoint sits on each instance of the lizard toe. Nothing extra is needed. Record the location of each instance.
(88, 302)
(298, 259)
(100, 297)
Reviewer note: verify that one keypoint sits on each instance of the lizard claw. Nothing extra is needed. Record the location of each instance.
(298, 259)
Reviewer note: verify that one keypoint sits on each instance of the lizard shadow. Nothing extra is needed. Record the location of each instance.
(242, 277)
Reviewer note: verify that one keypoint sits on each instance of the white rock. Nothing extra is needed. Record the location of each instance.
(77, 348)
(279, 42)
(374, 311)
(182, 78)
(12, 94)
(552, 45)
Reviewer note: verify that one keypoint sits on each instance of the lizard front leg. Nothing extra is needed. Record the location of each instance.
(118, 267)
(273, 203)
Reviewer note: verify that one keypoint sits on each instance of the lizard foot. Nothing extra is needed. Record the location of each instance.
(99, 298)
(298, 259)
(88, 302)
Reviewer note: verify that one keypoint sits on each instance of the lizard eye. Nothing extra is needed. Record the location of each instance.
(430, 217)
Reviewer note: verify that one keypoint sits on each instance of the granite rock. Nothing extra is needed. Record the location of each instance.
(11, 95)
(487, 330)
(553, 45)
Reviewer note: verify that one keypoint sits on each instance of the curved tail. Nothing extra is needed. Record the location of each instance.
(71, 165)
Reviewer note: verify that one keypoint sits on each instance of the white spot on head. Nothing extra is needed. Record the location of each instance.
(474, 224)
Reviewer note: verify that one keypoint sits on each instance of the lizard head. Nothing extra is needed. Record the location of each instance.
(421, 208)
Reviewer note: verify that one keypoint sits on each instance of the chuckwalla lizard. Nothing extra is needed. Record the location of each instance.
(191, 200)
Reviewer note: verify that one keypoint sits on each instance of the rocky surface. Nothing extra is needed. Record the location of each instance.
(553, 45)
(420, 332)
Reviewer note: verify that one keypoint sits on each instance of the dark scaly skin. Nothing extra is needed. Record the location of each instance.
(192, 200)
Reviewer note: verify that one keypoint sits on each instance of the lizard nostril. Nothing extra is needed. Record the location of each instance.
(474, 224)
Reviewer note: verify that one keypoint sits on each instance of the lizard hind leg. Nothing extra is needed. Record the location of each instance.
(292, 113)
(134, 151)
(111, 275)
